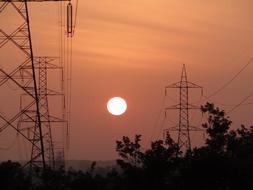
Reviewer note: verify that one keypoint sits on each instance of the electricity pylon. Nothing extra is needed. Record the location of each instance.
(32, 121)
(183, 129)
(43, 65)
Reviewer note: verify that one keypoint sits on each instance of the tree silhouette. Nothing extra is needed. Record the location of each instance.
(224, 162)
(152, 168)
(12, 176)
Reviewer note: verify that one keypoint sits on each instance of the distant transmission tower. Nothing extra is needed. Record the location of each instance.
(42, 66)
(183, 129)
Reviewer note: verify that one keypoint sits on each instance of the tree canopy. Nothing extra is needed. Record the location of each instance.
(224, 162)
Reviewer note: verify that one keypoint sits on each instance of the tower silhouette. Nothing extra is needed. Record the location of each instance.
(42, 66)
(183, 129)
(24, 83)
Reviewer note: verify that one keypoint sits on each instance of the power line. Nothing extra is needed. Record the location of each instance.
(232, 105)
(230, 81)
(241, 102)
(157, 119)
(156, 123)
(74, 26)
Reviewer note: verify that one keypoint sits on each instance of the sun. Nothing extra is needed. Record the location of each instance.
(116, 106)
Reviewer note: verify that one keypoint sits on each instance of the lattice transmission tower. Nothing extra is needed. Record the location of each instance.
(29, 76)
(183, 128)
(43, 66)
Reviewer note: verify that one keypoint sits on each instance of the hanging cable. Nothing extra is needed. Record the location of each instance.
(161, 128)
(69, 88)
(241, 102)
(157, 118)
(75, 18)
(231, 105)
(230, 81)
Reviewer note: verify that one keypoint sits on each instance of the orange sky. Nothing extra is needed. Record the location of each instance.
(134, 49)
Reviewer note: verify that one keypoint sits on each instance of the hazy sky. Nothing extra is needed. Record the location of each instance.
(133, 49)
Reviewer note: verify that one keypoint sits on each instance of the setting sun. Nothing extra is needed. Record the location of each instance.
(116, 106)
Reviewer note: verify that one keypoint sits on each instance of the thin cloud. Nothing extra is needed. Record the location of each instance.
(119, 20)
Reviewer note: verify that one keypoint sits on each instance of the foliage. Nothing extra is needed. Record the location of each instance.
(12, 176)
(224, 162)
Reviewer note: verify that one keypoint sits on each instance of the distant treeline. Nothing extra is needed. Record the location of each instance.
(225, 162)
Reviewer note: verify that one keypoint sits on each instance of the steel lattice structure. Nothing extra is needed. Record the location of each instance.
(183, 129)
(42, 66)
(33, 120)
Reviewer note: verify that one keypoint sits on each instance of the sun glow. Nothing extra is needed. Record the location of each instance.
(116, 106)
